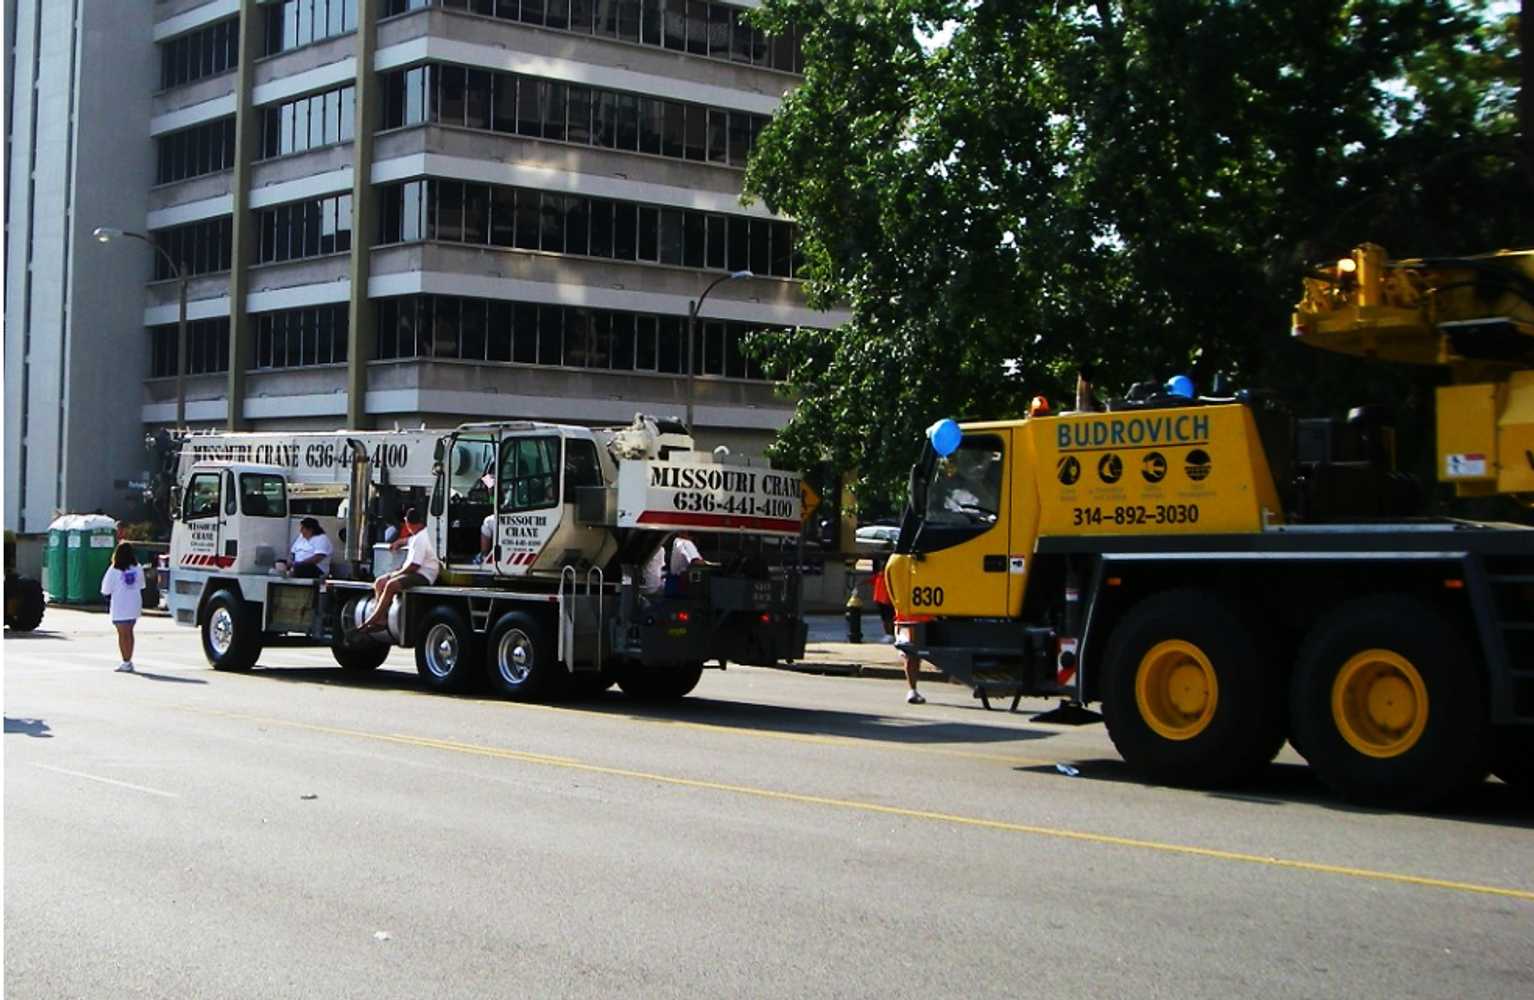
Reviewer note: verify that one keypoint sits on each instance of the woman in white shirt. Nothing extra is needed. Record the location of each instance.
(124, 584)
(311, 550)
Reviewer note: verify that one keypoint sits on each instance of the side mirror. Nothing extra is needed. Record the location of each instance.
(440, 450)
(175, 503)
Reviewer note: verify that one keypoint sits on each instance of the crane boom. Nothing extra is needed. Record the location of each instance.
(1471, 315)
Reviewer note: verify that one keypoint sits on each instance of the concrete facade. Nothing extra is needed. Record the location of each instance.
(77, 362)
(82, 75)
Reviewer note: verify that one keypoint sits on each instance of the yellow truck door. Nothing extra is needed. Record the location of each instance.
(960, 552)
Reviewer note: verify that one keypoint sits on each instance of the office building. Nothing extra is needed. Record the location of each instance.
(381, 212)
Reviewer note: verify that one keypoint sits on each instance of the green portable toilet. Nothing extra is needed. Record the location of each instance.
(92, 537)
(55, 574)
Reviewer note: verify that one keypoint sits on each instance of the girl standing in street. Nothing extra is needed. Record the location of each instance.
(124, 584)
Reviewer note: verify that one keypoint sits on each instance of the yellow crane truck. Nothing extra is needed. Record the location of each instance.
(1221, 577)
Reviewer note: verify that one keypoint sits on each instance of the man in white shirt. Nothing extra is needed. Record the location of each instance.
(684, 555)
(311, 550)
(420, 569)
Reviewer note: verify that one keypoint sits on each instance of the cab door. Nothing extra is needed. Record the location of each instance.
(528, 509)
(202, 514)
(960, 549)
(471, 479)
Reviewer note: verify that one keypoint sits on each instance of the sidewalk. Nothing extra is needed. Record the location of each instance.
(827, 651)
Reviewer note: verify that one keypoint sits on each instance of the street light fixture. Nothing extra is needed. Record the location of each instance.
(106, 234)
(693, 308)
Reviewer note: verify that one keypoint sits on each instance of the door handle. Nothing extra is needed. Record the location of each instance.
(994, 564)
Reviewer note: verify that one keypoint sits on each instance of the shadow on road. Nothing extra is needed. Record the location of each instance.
(35, 634)
(28, 727)
(707, 711)
(168, 677)
(1491, 802)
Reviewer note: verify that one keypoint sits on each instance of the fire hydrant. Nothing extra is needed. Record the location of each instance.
(854, 617)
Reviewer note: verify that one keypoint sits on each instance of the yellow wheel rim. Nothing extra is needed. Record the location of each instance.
(1176, 690)
(1379, 703)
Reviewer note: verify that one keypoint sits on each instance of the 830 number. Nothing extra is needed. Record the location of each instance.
(927, 597)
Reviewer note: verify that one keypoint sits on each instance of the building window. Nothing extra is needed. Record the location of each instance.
(445, 326)
(309, 122)
(294, 338)
(295, 23)
(208, 51)
(302, 229)
(697, 27)
(544, 109)
(207, 348)
(202, 149)
(197, 247)
(492, 215)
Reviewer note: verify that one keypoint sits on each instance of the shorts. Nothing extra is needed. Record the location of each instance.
(124, 621)
(410, 580)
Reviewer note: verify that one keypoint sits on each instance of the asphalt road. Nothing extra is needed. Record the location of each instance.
(184, 833)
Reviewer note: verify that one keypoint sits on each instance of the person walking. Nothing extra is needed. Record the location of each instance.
(124, 585)
(882, 599)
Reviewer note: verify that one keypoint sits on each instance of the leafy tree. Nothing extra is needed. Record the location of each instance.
(1001, 192)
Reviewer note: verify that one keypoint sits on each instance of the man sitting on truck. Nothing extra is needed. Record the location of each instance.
(670, 564)
(420, 569)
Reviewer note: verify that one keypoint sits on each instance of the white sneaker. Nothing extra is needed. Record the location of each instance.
(125, 667)
(913, 697)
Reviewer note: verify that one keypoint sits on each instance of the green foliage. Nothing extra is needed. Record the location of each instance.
(1003, 191)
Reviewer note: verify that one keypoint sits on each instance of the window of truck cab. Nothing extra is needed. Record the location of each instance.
(263, 495)
(962, 493)
(202, 496)
(529, 477)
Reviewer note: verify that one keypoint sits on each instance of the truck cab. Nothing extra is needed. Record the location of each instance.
(233, 517)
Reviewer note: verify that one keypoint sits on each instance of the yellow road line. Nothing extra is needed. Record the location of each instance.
(1056, 833)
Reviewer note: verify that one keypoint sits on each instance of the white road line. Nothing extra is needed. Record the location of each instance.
(109, 781)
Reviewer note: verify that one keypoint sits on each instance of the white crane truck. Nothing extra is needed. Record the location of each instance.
(556, 604)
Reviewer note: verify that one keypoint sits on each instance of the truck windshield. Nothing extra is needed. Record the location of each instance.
(964, 489)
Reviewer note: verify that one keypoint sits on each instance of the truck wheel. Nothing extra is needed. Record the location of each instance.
(360, 659)
(1514, 760)
(660, 683)
(1189, 698)
(1387, 706)
(447, 654)
(231, 633)
(589, 683)
(24, 604)
(520, 663)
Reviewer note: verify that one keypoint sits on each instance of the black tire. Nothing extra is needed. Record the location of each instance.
(668, 683)
(1189, 645)
(24, 604)
(361, 659)
(589, 683)
(231, 632)
(1413, 730)
(353, 653)
(447, 652)
(520, 660)
(1514, 758)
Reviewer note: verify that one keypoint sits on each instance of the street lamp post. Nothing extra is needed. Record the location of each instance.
(106, 234)
(693, 308)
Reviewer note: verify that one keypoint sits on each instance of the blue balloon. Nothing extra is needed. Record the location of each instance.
(1180, 385)
(945, 436)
